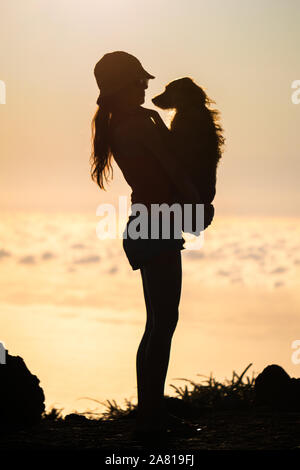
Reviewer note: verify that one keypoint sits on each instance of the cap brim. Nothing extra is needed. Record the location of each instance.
(148, 75)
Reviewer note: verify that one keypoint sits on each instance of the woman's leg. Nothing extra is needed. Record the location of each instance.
(162, 281)
(141, 353)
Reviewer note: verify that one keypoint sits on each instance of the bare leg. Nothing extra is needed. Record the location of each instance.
(162, 280)
(142, 350)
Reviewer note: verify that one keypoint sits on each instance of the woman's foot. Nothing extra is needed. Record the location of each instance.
(180, 427)
(150, 427)
(152, 436)
(150, 420)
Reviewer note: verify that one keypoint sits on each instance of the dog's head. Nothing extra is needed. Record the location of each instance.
(180, 93)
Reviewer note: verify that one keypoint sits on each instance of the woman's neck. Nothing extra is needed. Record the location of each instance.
(120, 114)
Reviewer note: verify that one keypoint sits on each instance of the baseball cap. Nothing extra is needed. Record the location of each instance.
(117, 69)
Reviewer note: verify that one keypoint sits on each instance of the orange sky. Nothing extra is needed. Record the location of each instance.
(244, 54)
(74, 310)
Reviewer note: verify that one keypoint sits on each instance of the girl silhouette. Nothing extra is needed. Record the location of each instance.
(123, 129)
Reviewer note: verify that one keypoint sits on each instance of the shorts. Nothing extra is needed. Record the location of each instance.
(141, 250)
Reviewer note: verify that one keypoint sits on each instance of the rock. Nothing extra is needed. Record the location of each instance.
(21, 397)
(74, 418)
(276, 389)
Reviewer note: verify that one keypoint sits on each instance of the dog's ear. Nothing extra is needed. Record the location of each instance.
(194, 92)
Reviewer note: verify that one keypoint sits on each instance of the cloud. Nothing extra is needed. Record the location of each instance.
(278, 284)
(222, 272)
(88, 259)
(258, 256)
(47, 255)
(193, 254)
(71, 269)
(27, 260)
(112, 270)
(279, 270)
(4, 253)
(236, 279)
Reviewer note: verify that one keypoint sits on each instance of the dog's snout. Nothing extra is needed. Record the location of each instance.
(161, 101)
(155, 99)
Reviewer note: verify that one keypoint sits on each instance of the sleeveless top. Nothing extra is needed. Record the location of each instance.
(147, 178)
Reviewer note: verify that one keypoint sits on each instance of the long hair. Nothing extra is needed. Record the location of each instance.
(101, 155)
(212, 125)
(206, 123)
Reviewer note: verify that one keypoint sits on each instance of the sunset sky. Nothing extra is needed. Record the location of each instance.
(70, 303)
(244, 53)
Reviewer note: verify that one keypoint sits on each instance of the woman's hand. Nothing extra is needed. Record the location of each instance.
(156, 118)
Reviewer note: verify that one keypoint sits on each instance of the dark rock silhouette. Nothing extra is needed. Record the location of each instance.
(276, 389)
(74, 418)
(21, 397)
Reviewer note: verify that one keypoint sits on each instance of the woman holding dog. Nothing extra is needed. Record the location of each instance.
(122, 128)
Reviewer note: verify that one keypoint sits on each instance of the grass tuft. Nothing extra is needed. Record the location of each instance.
(234, 394)
(213, 395)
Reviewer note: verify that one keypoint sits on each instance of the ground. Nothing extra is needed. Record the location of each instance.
(220, 430)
